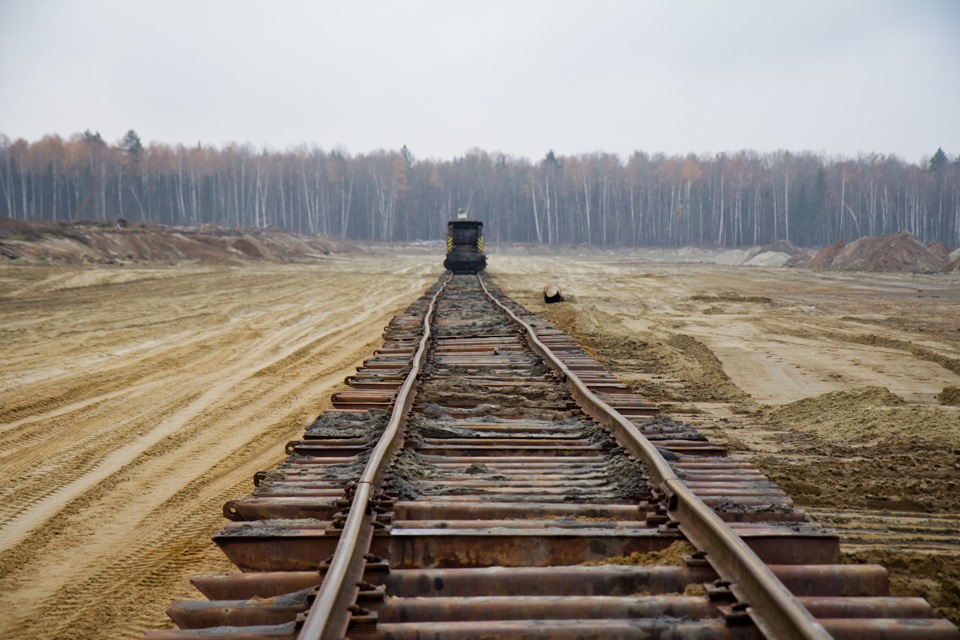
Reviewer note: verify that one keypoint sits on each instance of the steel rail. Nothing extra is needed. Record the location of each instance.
(771, 606)
(329, 615)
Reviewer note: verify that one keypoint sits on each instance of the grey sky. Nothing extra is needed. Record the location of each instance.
(522, 77)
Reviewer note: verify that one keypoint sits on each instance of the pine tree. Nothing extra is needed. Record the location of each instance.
(939, 161)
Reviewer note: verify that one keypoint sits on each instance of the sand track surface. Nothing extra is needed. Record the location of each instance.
(134, 401)
(842, 387)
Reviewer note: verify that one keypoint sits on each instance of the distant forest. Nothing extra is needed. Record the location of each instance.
(727, 199)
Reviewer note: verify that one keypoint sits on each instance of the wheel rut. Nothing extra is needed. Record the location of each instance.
(523, 492)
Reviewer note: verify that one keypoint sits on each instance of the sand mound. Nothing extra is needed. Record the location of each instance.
(898, 252)
(869, 416)
(115, 242)
(778, 254)
(769, 259)
(781, 246)
(731, 257)
(950, 395)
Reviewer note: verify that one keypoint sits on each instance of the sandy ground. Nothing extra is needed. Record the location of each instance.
(843, 387)
(135, 400)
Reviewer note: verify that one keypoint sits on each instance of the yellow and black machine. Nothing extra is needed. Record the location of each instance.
(465, 247)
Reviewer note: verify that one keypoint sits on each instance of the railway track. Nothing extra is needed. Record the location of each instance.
(483, 477)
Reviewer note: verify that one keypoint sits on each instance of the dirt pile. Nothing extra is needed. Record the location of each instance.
(953, 264)
(778, 254)
(118, 243)
(940, 249)
(868, 449)
(825, 257)
(870, 416)
(950, 396)
(897, 253)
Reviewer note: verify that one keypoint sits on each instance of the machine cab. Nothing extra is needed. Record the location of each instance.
(465, 247)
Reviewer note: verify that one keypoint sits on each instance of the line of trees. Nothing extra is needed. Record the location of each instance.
(727, 199)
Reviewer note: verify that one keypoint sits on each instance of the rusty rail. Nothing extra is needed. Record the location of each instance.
(772, 606)
(329, 615)
(479, 527)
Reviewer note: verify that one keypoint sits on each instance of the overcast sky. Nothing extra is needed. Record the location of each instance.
(522, 77)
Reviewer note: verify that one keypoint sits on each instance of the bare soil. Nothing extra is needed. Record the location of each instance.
(897, 252)
(135, 399)
(116, 243)
(841, 386)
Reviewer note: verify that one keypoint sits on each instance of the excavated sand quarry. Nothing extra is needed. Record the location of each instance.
(136, 399)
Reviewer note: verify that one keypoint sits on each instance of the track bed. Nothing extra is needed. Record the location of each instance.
(485, 478)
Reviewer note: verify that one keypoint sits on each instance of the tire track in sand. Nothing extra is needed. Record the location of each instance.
(130, 539)
(14, 530)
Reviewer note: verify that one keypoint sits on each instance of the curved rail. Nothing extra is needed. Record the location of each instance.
(772, 606)
(329, 615)
(547, 461)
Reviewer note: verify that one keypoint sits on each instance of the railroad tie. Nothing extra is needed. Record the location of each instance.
(483, 476)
